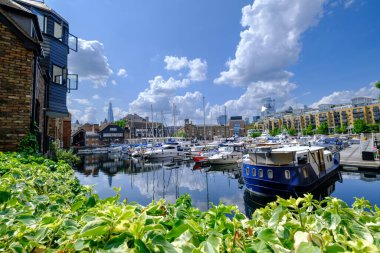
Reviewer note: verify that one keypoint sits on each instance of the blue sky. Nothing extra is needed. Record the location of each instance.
(234, 53)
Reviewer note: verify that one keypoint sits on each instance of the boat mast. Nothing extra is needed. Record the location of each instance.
(204, 120)
(225, 122)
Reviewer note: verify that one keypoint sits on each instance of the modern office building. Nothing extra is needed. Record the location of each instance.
(268, 107)
(222, 120)
(110, 113)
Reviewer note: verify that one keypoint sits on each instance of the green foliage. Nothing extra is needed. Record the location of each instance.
(360, 126)
(373, 128)
(43, 208)
(309, 130)
(181, 133)
(68, 156)
(343, 129)
(121, 123)
(275, 131)
(28, 144)
(292, 131)
(323, 128)
(255, 134)
(337, 130)
(377, 85)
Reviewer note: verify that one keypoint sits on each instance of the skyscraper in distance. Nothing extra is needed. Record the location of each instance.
(110, 113)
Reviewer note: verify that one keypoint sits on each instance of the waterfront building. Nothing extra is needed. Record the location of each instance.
(255, 119)
(34, 45)
(86, 135)
(237, 126)
(110, 113)
(111, 133)
(193, 131)
(334, 116)
(139, 127)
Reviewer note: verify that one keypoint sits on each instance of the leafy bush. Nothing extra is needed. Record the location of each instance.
(43, 208)
(68, 156)
(28, 144)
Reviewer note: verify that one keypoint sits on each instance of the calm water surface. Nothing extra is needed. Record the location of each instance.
(144, 181)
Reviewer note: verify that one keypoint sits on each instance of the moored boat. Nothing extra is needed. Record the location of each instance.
(284, 171)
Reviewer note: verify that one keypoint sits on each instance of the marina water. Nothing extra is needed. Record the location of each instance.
(143, 181)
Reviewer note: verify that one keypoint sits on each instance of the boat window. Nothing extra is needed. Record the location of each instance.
(261, 173)
(302, 159)
(254, 172)
(270, 174)
(247, 171)
(305, 172)
(287, 174)
(169, 147)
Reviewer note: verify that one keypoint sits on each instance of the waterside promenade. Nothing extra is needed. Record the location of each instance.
(351, 158)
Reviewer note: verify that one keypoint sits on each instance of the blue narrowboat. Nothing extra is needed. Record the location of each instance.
(288, 171)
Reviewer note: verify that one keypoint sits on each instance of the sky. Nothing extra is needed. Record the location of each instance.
(147, 55)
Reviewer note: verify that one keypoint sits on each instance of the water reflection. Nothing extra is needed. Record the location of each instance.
(253, 201)
(143, 181)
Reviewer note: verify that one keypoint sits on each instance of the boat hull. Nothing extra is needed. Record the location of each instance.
(200, 159)
(296, 181)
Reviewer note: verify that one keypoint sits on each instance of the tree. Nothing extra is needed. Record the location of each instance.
(309, 130)
(337, 130)
(255, 134)
(121, 123)
(323, 128)
(275, 131)
(343, 129)
(292, 131)
(377, 85)
(182, 134)
(373, 128)
(360, 126)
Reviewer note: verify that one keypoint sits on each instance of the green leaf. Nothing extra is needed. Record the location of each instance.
(116, 241)
(268, 235)
(161, 243)
(81, 244)
(27, 219)
(177, 231)
(16, 247)
(361, 231)
(334, 248)
(95, 228)
(141, 247)
(305, 247)
(4, 196)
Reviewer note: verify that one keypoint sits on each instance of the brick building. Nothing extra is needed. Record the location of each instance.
(34, 44)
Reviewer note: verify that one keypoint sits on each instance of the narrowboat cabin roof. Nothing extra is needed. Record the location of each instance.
(293, 149)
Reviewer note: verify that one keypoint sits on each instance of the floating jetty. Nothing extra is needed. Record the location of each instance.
(351, 158)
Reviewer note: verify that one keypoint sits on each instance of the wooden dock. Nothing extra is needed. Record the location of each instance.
(351, 158)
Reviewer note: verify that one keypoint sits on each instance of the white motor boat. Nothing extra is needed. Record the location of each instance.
(168, 150)
(227, 155)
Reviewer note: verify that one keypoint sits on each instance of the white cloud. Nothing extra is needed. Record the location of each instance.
(89, 115)
(348, 3)
(114, 82)
(96, 96)
(345, 96)
(158, 95)
(119, 113)
(271, 40)
(197, 67)
(90, 62)
(82, 101)
(198, 70)
(122, 73)
(175, 63)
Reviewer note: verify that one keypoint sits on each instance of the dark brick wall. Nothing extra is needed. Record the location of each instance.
(16, 77)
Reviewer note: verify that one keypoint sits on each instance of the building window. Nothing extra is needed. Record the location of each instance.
(261, 173)
(59, 75)
(42, 21)
(287, 174)
(58, 30)
(270, 174)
